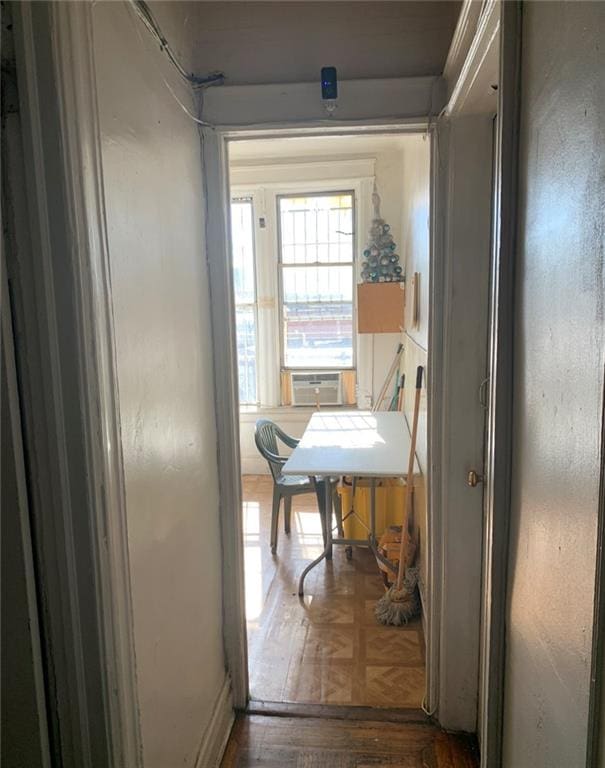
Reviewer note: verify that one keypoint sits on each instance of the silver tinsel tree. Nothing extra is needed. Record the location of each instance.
(380, 261)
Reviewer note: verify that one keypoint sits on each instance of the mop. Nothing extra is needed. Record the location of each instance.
(400, 603)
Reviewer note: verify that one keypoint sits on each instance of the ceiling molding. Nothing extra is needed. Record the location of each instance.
(461, 42)
(473, 92)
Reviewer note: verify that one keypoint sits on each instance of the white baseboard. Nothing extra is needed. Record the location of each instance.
(422, 592)
(254, 466)
(218, 730)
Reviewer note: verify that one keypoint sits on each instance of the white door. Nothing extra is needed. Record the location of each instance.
(481, 480)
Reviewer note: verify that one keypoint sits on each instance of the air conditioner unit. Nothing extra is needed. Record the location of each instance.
(311, 388)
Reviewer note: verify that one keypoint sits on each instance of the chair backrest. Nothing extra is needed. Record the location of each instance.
(265, 437)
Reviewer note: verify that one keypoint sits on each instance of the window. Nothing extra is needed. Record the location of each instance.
(244, 285)
(316, 241)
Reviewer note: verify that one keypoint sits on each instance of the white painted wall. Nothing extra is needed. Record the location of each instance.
(415, 228)
(292, 420)
(153, 192)
(558, 387)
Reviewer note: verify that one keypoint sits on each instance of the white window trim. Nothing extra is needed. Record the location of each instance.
(264, 199)
(254, 303)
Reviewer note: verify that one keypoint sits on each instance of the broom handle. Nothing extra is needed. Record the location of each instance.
(401, 392)
(385, 386)
(409, 489)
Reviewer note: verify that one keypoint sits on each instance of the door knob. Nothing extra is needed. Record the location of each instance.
(473, 479)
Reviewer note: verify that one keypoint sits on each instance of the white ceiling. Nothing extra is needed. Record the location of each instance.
(244, 152)
(288, 42)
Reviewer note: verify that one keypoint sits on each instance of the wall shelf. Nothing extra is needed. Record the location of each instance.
(380, 307)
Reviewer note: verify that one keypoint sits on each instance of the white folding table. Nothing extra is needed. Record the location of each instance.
(351, 443)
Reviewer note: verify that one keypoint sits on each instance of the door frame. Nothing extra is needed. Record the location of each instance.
(215, 142)
(458, 359)
(493, 50)
(462, 167)
(60, 281)
(500, 413)
(498, 27)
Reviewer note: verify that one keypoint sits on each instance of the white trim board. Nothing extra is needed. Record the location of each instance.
(71, 414)
(297, 104)
(222, 307)
(473, 92)
(461, 42)
(218, 730)
(249, 415)
(499, 447)
(254, 466)
(334, 127)
(82, 146)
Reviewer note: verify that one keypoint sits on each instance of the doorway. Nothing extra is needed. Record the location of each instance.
(454, 540)
(301, 216)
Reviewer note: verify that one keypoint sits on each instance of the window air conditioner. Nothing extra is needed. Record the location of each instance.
(309, 388)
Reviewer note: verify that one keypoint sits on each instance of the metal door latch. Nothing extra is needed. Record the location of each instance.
(473, 479)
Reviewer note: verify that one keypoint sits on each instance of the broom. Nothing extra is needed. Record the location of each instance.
(400, 602)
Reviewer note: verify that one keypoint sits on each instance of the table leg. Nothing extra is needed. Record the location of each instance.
(327, 553)
(373, 509)
(328, 514)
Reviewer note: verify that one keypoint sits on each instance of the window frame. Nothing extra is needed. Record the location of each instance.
(280, 267)
(248, 198)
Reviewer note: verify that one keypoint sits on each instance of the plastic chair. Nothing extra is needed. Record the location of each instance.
(266, 435)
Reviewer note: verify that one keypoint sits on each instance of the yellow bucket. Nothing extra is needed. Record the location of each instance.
(390, 506)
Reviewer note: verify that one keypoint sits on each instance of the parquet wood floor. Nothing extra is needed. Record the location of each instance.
(284, 742)
(327, 648)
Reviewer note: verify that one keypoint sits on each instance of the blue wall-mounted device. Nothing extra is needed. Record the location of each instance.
(329, 83)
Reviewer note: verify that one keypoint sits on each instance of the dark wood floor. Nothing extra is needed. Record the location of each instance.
(287, 742)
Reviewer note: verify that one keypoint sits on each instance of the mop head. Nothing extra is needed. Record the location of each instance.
(397, 607)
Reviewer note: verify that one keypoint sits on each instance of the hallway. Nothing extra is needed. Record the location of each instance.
(447, 156)
(278, 742)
